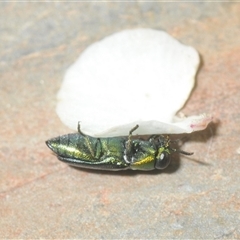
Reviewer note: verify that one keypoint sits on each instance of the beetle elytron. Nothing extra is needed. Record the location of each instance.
(113, 153)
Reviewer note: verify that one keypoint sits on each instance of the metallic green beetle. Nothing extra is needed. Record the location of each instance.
(113, 153)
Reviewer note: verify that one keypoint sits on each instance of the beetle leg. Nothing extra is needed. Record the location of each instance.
(86, 139)
(79, 129)
(132, 130)
(152, 137)
(129, 141)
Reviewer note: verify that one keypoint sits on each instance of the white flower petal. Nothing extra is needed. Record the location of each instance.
(140, 76)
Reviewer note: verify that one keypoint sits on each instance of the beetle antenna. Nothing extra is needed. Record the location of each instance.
(185, 153)
(182, 152)
(179, 140)
(179, 150)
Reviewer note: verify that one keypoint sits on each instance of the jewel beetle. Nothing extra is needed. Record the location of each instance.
(113, 153)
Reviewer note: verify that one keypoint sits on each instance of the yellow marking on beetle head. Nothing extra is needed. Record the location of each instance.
(161, 150)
